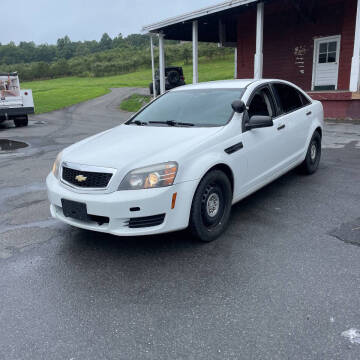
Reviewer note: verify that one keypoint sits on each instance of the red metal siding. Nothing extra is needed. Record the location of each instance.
(246, 44)
(289, 40)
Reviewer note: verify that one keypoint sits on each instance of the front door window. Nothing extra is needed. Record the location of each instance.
(327, 52)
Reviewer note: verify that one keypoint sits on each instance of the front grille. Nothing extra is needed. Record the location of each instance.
(86, 179)
(147, 221)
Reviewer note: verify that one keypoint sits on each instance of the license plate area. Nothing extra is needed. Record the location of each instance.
(75, 210)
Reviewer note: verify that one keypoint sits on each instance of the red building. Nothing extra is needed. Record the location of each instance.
(314, 44)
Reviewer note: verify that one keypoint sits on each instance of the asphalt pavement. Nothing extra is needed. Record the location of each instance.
(283, 282)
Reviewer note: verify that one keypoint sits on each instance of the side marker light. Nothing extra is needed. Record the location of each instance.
(173, 201)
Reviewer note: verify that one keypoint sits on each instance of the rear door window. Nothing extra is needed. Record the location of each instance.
(290, 98)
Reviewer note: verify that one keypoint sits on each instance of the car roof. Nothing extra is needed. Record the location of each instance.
(226, 84)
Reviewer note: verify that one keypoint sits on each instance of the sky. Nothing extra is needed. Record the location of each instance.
(44, 21)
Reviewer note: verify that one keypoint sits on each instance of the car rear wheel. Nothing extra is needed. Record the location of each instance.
(210, 211)
(21, 121)
(313, 155)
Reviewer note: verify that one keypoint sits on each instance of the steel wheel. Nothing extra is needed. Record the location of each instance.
(211, 206)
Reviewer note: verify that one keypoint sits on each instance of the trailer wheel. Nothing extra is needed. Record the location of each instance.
(21, 121)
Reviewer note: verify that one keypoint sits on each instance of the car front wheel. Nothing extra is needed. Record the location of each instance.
(210, 211)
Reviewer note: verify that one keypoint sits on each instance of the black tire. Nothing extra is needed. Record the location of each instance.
(313, 155)
(21, 121)
(151, 89)
(214, 194)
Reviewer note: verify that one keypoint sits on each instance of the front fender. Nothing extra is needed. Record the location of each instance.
(199, 166)
(196, 166)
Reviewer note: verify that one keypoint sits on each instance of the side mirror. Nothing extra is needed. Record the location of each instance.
(259, 121)
(238, 106)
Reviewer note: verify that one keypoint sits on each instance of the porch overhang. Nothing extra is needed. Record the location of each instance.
(210, 21)
(217, 24)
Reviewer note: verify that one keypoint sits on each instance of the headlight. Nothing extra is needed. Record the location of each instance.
(155, 176)
(56, 166)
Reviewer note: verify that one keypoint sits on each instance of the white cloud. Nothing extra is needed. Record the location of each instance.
(47, 20)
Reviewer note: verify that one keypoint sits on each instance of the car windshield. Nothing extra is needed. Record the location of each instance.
(211, 107)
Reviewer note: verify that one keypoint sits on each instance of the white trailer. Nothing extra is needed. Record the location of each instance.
(15, 104)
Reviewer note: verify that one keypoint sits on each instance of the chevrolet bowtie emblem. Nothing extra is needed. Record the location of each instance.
(80, 178)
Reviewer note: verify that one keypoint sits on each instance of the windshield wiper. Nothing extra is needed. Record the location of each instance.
(172, 123)
(139, 123)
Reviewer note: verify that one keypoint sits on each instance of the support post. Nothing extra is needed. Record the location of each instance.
(161, 63)
(355, 62)
(153, 65)
(235, 63)
(258, 61)
(195, 40)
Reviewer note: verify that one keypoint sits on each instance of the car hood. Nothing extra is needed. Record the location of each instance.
(131, 146)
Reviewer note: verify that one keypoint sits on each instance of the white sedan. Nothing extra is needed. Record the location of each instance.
(184, 159)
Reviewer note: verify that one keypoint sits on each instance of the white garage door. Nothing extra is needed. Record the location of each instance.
(326, 63)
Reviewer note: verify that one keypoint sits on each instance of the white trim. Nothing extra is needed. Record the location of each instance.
(196, 14)
(258, 60)
(195, 40)
(355, 61)
(235, 62)
(315, 57)
(161, 63)
(153, 65)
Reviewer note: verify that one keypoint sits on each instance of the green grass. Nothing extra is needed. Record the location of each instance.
(58, 93)
(135, 102)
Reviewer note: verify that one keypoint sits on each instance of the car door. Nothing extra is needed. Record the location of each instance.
(261, 145)
(295, 118)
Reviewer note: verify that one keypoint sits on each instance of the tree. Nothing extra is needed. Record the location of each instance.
(65, 48)
(60, 68)
(118, 41)
(186, 53)
(105, 42)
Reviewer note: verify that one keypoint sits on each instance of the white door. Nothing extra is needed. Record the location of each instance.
(261, 146)
(326, 63)
(296, 119)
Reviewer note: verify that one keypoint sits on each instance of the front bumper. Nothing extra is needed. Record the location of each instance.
(116, 206)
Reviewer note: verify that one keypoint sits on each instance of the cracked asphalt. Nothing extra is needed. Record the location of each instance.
(283, 282)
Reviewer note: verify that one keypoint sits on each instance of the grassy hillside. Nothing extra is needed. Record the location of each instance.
(58, 93)
(135, 102)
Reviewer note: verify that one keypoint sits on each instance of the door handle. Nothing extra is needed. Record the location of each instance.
(281, 127)
(308, 113)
